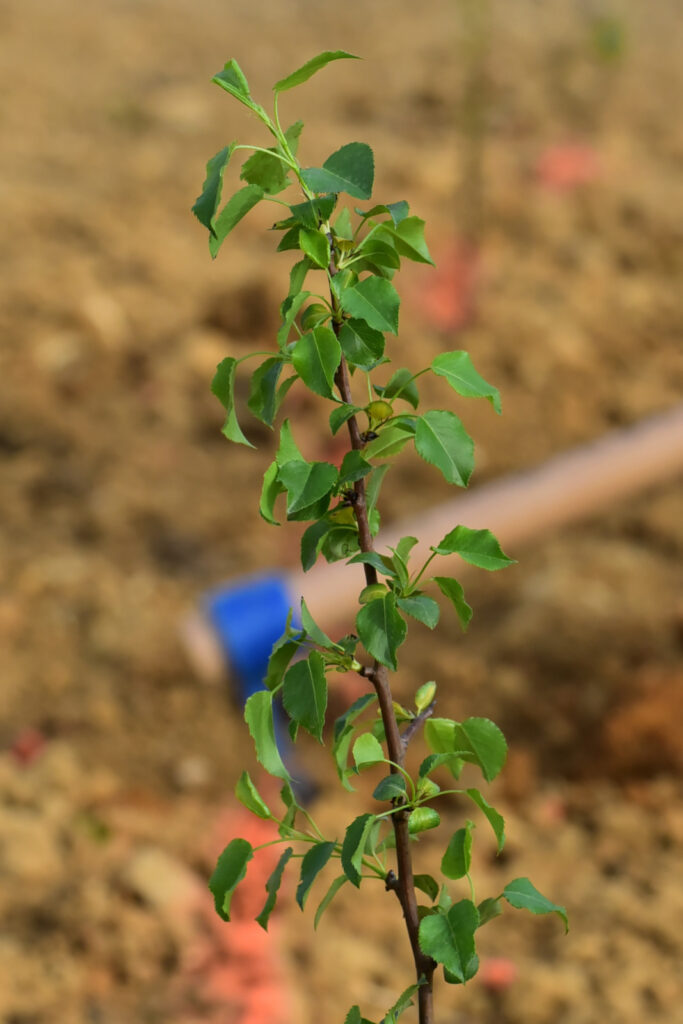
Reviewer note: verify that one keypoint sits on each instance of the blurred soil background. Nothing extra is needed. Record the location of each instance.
(543, 147)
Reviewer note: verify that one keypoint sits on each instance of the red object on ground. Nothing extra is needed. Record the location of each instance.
(448, 294)
(497, 973)
(568, 165)
(28, 746)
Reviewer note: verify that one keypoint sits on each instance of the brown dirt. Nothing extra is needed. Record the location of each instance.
(121, 503)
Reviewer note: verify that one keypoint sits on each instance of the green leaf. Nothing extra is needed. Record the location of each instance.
(478, 547)
(391, 440)
(308, 69)
(495, 819)
(267, 170)
(441, 440)
(390, 787)
(271, 489)
(520, 893)
(313, 212)
(311, 541)
(402, 385)
(350, 169)
(361, 344)
(282, 653)
(379, 252)
(297, 276)
(374, 300)
(488, 909)
(272, 887)
(316, 246)
(420, 607)
(379, 562)
(367, 751)
(258, 714)
(342, 226)
(304, 694)
(288, 450)
(307, 483)
(451, 589)
(223, 387)
(237, 207)
(449, 939)
(424, 696)
(397, 211)
(434, 761)
(457, 369)
(233, 80)
(230, 870)
(341, 413)
(311, 866)
(263, 398)
(316, 357)
(328, 897)
(409, 240)
(207, 203)
(428, 885)
(484, 743)
(354, 467)
(381, 629)
(404, 1001)
(247, 794)
(339, 543)
(353, 847)
(456, 861)
(313, 630)
(422, 819)
(352, 713)
(289, 309)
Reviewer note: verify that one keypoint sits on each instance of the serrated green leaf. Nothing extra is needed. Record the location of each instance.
(441, 440)
(354, 467)
(353, 847)
(520, 893)
(288, 450)
(272, 887)
(478, 547)
(258, 714)
(313, 212)
(279, 660)
(401, 384)
(334, 888)
(362, 345)
(495, 819)
(451, 589)
(428, 885)
(457, 859)
(350, 169)
(229, 872)
(379, 252)
(404, 1002)
(223, 387)
(316, 246)
(339, 543)
(390, 787)
(311, 866)
(440, 735)
(381, 629)
(391, 440)
(289, 310)
(409, 240)
(233, 80)
(449, 939)
(304, 694)
(316, 357)
(374, 300)
(268, 170)
(422, 819)
(434, 761)
(352, 713)
(379, 562)
(248, 795)
(367, 751)
(237, 207)
(342, 226)
(313, 630)
(420, 607)
(397, 211)
(311, 541)
(307, 483)
(208, 201)
(308, 69)
(488, 909)
(297, 276)
(269, 493)
(457, 369)
(341, 413)
(484, 743)
(263, 395)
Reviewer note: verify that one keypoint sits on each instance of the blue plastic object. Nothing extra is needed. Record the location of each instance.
(249, 617)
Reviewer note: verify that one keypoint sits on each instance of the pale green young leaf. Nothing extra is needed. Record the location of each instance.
(263, 394)
(457, 859)
(223, 387)
(441, 440)
(304, 694)
(316, 357)
(350, 169)
(362, 345)
(208, 201)
(420, 607)
(237, 207)
(367, 750)
(272, 887)
(248, 795)
(316, 246)
(478, 547)
(451, 589)
(342, 226)
(457, 369)
(334, 888)
(311, 866)
(483, 744)
(449, 939)
(381, 629)
(374, 300)
(495, 819)
(229, 872)
(520, 893)
(422, 819)
(308, 69)
(258, 714)
(353, 847)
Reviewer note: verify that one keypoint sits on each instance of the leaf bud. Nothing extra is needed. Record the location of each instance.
(425, 695)
(372, 591)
